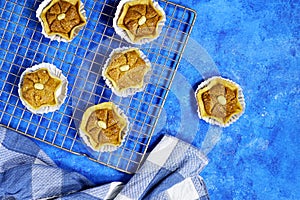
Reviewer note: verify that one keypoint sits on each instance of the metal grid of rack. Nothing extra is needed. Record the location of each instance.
(23, 45)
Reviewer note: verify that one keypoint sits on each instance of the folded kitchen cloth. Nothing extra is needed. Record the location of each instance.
(171, 171)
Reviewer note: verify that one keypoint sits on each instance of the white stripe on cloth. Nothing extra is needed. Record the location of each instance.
(8, 158)
(114, 190)
(140, 182)
(108, 191)
(174, 154)
(2, 134)
(165, 150)
(43, 159)
(46, 181)
(171, 162)
(200, 186)
(122, 197)
(183, 190)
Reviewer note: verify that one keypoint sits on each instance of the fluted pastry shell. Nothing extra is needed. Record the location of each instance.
(131, 81)
(104, 127)
(126, 16)
(42, 88)
(46, 6)
(220, 101)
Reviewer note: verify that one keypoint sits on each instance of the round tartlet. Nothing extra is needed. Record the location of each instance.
(42, 88)
(139, 21)
(103, 127)
(61, 18)
(220, 101)
(125, 71)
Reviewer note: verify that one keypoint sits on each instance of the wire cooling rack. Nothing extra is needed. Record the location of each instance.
(22, 45)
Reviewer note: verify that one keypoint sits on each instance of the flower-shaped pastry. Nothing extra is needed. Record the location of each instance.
(38, 88)
(62, 17)
(220, 101)
(102, 124)
(126, 70)
(42, 88)
(140, 19)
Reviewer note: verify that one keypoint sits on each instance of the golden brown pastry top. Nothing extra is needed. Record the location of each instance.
(127, 70)
(38, 88)
(140, 19)
(103, 125)
(61, 17)
(219, 100)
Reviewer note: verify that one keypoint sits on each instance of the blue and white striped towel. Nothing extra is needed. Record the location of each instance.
(171, 171)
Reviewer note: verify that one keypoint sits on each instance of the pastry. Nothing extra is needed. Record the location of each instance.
(140, 19)
(40, 91)
(220, 101)
(103, 125)
(126, 69)
(38, 88)
(62, 18)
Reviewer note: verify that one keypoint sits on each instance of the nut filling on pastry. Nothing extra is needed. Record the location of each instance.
(62, 17)
(38, 88)
(220, 101)
(141, 20)
(127, 70)
(104, 127)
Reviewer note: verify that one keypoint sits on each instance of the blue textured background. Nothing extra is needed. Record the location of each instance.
(256, 44)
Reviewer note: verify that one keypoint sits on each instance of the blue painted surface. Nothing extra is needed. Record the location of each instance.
(255, 44)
